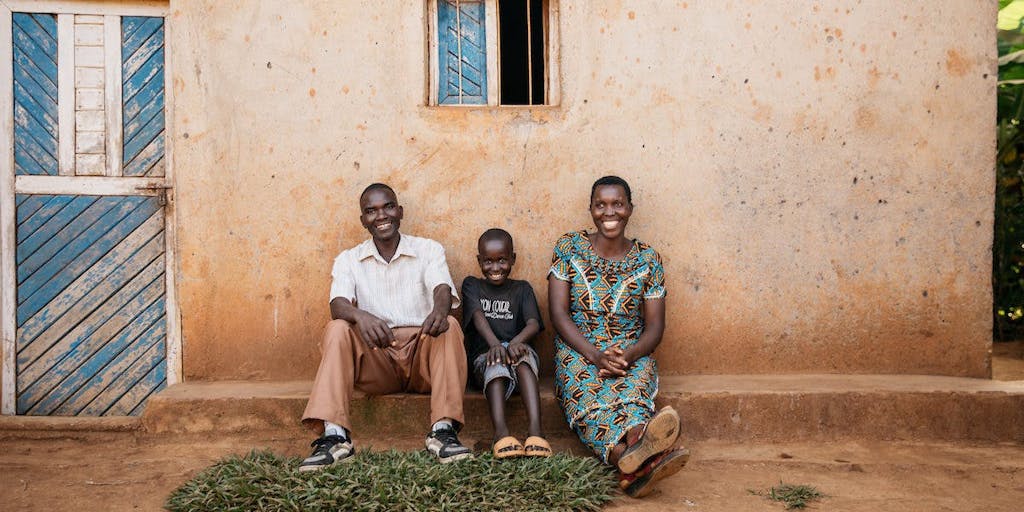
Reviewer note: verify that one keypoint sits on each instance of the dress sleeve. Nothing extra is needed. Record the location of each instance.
(654, 284)
(529, 306)
(561, 258)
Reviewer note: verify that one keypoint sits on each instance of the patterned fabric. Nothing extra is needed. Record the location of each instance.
(606, 304)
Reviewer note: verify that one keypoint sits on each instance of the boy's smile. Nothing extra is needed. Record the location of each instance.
(496, 259)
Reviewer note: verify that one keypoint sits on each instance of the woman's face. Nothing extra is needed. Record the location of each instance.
(610, 210)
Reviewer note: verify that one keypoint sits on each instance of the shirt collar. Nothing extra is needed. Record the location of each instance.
(368, 250)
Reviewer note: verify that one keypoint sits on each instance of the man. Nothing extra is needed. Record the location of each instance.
(391, 331)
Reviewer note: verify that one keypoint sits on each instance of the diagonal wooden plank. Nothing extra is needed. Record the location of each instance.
(30, 203)
(133, 83)
(42, 215)
(142, 45)
(71, 241)
(143, 387)
(149, 161)
(135, 371)
(35, 250)
(63, 360)
(36, 356)
(104, 366)
(42, 28)
(113, 228)
(28, 246)
(151, 96)
(54, 312)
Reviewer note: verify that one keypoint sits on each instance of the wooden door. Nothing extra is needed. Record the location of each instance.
(87, 311)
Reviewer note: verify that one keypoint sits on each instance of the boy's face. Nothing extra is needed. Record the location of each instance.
(496, 259)
(380, 214)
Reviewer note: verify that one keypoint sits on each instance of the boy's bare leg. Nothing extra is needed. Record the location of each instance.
(531, 398)
(496, 399)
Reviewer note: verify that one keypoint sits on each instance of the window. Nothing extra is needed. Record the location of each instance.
(493, 52)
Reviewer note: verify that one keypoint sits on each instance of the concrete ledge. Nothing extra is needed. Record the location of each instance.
(69, 424)
(755, 407)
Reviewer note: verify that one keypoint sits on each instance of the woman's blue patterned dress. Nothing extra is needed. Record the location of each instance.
(606, 304)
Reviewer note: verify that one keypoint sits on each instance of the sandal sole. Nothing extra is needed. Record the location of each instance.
(661, 434)
(645, 486)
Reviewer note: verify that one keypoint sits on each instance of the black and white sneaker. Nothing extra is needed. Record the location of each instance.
(445, 445)
(328, 450)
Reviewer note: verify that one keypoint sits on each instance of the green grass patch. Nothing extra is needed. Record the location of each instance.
(393, 480)
(794, 496)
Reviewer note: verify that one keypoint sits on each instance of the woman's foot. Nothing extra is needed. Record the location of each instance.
(641, 483)
(658, 435)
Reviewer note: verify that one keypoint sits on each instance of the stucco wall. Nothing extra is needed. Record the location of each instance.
(817, 175)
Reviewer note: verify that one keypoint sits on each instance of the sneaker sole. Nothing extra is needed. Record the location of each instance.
(645, 486)
(307, 469)
(455, 458)
(661, 434)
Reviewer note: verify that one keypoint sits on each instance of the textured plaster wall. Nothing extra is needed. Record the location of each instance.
(817, 175)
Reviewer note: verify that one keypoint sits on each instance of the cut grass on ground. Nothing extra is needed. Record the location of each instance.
(794, 496)
(392, 480)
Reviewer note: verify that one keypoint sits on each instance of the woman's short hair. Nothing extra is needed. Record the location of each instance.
(614, 181)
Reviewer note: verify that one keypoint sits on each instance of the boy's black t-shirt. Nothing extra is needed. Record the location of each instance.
(506, 307)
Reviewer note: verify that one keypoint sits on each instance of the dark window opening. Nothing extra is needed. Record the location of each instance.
(522, 49)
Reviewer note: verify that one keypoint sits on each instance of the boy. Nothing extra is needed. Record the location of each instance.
(500, 319)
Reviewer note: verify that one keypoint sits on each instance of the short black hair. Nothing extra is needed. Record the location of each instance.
(496, 234)
(377, 186)
(613, 181)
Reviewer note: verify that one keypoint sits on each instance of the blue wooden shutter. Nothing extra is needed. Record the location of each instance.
(142, 72)
(35, 93)
(461, 52)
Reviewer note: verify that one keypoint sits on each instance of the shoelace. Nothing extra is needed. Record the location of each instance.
(327, 441)
(446, 436)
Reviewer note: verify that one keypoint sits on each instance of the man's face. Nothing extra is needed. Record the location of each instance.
(496, 259)
(380, 214)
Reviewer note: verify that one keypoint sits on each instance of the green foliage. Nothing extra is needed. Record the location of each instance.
(1008, 243)
(794, 496)
(392, 480)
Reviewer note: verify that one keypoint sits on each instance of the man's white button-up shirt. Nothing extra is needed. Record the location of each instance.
(400, 292)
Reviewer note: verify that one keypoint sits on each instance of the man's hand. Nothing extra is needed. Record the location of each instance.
(517, 351)
(435, 324)
(498, 355)
(374, 331)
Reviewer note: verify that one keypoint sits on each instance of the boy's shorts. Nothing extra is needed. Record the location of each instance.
(483, 374)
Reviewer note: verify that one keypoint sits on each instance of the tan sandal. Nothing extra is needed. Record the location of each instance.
(537, 447)
(507, 447)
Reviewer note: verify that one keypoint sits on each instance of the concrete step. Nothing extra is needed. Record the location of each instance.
(773, 408)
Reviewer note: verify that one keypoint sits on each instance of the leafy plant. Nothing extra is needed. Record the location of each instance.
(1008, 243)
(794, 496)
(392, 480)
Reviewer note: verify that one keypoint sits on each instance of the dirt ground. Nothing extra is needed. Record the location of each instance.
(114, 471)
(132, 471)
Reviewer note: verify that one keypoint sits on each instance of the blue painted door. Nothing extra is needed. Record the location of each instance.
(91, 321)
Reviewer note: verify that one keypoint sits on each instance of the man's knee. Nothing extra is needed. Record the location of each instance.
(338, 333)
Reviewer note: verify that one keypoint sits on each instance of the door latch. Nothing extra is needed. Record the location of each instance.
(161, 192)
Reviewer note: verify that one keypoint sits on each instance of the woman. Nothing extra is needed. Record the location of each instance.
(606, 293)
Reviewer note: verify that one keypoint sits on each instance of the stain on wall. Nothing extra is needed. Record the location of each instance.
(818, 177)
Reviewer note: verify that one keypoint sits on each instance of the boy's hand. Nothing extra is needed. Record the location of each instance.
(517, 351)
(498, 355)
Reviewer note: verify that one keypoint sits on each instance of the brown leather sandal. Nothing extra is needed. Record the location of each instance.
(507, 447)
(658, 435)
(537, 447)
